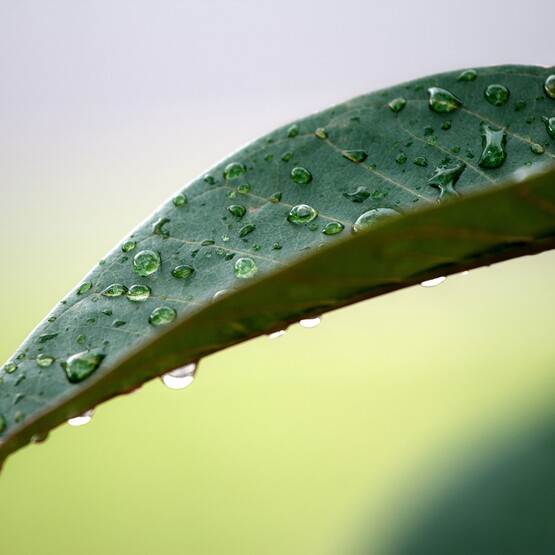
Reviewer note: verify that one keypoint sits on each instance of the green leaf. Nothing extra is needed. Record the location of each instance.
(379, 193)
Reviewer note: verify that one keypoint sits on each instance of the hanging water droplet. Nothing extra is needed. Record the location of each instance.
(82, 419)
(302, 214)
(356, 156)
(182, 271)
(276, 197)
(496, 94)
(310, 322)
(445, 178)
(293, 131)
(246, 229)
(181, 377)
(433, 282)
(372, 217)
(44, 361)
(468, 75)
(549, 86)
(276, 334)
(84, 287)
(401, 158)
(114, 290)
(138, 293)
(300, 175)
(146, 263)
(537, 148)
(43, 338)
(245, 268)
(333, 228)
(10, 367)
(234, 170)
(81, 365)
(420, 161)
(128, 246)
(158, 227)
(397, 104)
(321, 133)
(493, 145)
(180, 200)
(442, 100)
(550, 126)
(162, 315)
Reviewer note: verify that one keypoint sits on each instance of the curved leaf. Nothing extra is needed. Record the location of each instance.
(367, 197)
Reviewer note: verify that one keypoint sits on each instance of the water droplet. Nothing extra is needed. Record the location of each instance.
(225, 237)
(146, 263)
(286, 156)
(182, 271)
(549, 86)
(277, 246)
(321, 133)
(47, 337)
(357, 156)
(432, 140)
(420, 161)
(114, 290)
(313, 227)
(234, 170)
(550, 126)
(81, 339)
(237, 210)
(246, 229)
(10, 367)
(360, 195)
(496, 94)
(537, 148)
(220, 294)
(446, 125)
(181, 377)
(162, 315)
(333, 228)
(158, 227)
(300, 175)
(20, 356)
(276, 197)
(84, 287)
(244, 188)
(445, 178)
(397, 104)
(118, 323)
(433, 282)
(401, 158)
(442, 100)
(269, 157)
(179, 200)
(82, 419)
(293, 131)
(44, 361)
(210, 179)
(310, 322)
(128, 246)
(276, 334)
(520, 105)
(245, 268)
(81, 365)
(468, 75)
(302, 214)
(372, 217)
(493, 145)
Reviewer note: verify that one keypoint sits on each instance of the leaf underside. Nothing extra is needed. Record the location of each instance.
(430, 164)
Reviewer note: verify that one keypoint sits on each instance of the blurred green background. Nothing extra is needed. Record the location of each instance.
(315, 443)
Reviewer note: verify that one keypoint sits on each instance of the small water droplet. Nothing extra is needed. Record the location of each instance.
(210, 179)
(293, 131)
(84, 287)
(245, 268)
(225, 237)
(537, 148)
(246, 229)
(128, 246)
(146, 263)
(550, 126)
(442, 100)
(302, 214)
(81, 365)
(372, 217)
(286, 156)
(82, 419)
(333, 228)
(237, 210)
(433, 282)
(276, 197)
(493, 145)
(114, 290)
(397, 104)
(162, 315)
(276, 334)
(520, 105)
(244, 188)
(180, 200)
(81, 339)
(44, 361)
(47, 337)
(220, 294)
(356, 156)
(269, 157)
(496, 94)
(118, 323)
(52, 319)
(310, 322)
(360, 195)
(181, 377)
(549, 86)
(468, 75)
(20, 356)
(321, 133)
(182, 271)
(300, 175)
(401, 158)
(445, 178)
(158, 227)
(420, 161)
(10, 367)
(234, 170)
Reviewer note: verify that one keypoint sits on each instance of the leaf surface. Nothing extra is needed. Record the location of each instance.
(428, 178)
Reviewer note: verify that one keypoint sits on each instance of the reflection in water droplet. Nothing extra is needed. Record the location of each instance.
(333, 228)
(372, 217)
(357, 156)
(128, 246)
(468, 75)
(496, 94)
(162, 315)
(445, 178)
(114, 290)
(138, 293)
(493, 145)
(234, 170)
(179, 200)
(44, 361)
(310, 322)
(81, 420)
(549, 126)
(245, 268)
(181, 377)
(146, 262)
(397, 104)
(302, 214)
(182, 271)
(321, 133)
(221, 293)
(442, 100)
(549, 86)
(84, 287)
(433, 282)
(82, 365)
(300, 175)
(276, 334)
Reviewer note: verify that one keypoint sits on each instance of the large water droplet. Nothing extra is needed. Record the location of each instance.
(138, 293)
(372, 217)
(81, 365)
(114, 290)
(493, 147)
(550, 126)
(442, 100)
(310, 322)
(82, 419)
(397, 104)
(549, 86)
(357, 156)
(496, 94)
(162, 315)
(146, 263)
(245, 268)
(468, 75)
(300, 175)
(302, 214)
(181, 377)
(333, 228)
(237, 210)
(233, 170)
(445, 178)
(182, 271)
(433, 282)
(84, 287)
(44, 361)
